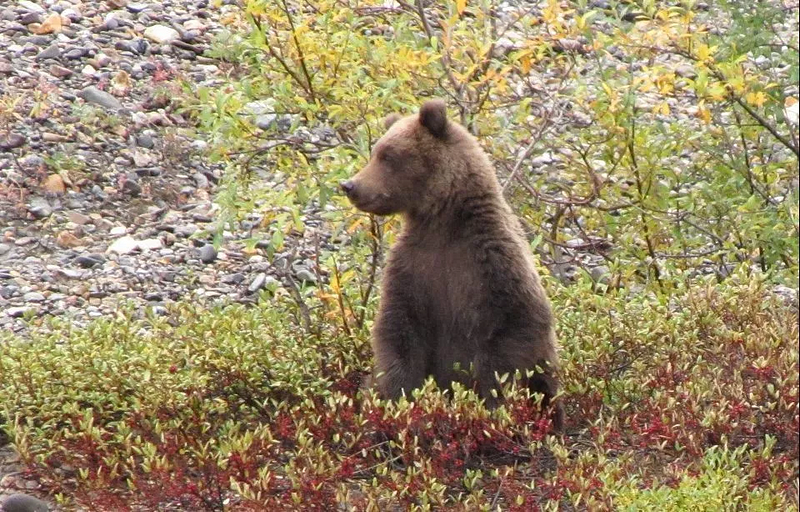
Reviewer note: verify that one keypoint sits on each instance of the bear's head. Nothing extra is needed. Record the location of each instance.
(410, 164)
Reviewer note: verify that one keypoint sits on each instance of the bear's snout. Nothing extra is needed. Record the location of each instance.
(347, 187)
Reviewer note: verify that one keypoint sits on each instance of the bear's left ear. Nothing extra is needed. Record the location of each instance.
(433, 116)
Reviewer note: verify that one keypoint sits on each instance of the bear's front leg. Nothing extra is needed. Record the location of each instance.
(401, 356)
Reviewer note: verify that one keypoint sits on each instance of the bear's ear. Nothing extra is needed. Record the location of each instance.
(433, 116)
(391, 119)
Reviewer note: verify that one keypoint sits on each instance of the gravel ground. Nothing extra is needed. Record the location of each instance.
(104, 194)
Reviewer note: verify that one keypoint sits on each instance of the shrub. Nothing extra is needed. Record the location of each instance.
(671, 402)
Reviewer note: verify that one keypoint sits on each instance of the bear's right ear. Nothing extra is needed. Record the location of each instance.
(433, 116)
(391, 119)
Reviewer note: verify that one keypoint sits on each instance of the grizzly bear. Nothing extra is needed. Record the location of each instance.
(461, 299)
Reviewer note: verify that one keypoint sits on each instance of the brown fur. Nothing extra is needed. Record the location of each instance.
(459, 288)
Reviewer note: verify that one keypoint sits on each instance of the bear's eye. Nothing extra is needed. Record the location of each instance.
(386, 156)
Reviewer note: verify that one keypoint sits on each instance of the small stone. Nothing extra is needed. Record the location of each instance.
(11, 140)
(31, 6)
(137, 7)
(88, 70)
(686, 71)
(545, 159)
(51, 25)
(51, 52)
(76, 53)
(67, 240)
(40, 208)
(118, 230)
(78, 218)
(131, 186)
(17, 312)
(54, 137)
(111, 22)
(94, 95)
(208, 253)
(54, 184)
(60, 71)
(33, 297)
(236, 278)
(145, 141)
(257, 283)
(306, 275)
(150, 244)
(4, 248)
(600, 274)
(161, 34)
(123, 245)
(200, 180)
(89, 260)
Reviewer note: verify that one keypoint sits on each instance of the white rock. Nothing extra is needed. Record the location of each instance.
(31, 6)
(150, 244)
(118, 230)
(123, 245)
(792, 113)
(161, 34)
(194, 25)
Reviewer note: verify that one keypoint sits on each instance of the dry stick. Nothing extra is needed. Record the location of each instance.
(275, 55)
(446, 62)
(373, 270)
(339, 296)
(300, 52)
(749, 176)
(645, 228)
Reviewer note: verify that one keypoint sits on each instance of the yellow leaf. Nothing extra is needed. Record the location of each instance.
(662, 108)
(461, 5)
(704, 52)
(704, 114)
(756, 98)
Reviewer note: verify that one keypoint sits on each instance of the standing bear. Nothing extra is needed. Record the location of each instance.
(461, 299)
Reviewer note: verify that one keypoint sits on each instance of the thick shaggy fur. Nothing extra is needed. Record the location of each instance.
(461, 299)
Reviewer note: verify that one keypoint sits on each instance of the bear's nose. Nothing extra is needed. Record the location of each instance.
(347, 186)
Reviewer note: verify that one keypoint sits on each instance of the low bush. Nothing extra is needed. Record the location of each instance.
(679, 402)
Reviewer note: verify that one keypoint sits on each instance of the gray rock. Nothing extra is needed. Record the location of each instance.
(208, 253)
(306, 275)
(600, 274)
(94, 95)
(257, 283)
(11, 141)
(31, 6)
(76, 53)
(161, 34)
(200, 180)
(33, 297)
(51, 52)
(4, 248)
(131, 185)
(266, 121)
(40, 208)
(24, 503)
(31, 17)
(236, 278)
(136, 7)
(145, 141)
(78, 218)
(17, 312)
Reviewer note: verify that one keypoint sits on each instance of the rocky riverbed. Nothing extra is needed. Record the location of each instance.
(105, 197)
